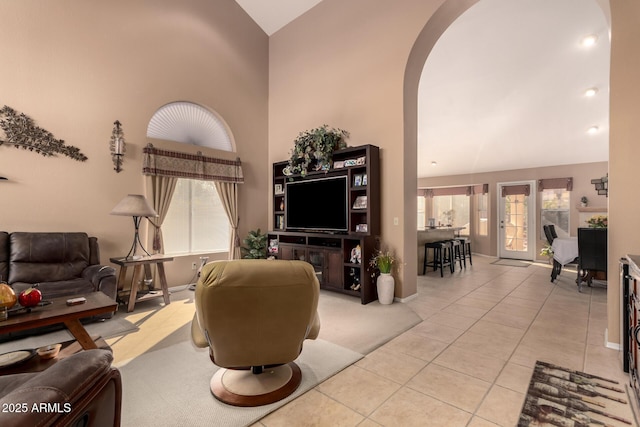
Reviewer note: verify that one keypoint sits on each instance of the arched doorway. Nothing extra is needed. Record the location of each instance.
(434, 31)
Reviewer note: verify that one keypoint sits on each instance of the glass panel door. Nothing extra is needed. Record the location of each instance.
(516, 223)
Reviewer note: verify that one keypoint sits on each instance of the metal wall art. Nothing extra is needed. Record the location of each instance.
(21, 132)
(602, 185)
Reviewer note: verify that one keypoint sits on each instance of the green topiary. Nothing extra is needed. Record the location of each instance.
(315, 146)
(255, 245)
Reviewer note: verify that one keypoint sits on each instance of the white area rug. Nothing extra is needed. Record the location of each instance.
(170, 386)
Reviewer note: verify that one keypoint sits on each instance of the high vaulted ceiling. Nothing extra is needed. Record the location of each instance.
(504, 87)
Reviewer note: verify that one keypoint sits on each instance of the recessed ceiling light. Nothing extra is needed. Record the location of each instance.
(434, 164)
(592, 130)
(589, 40)
(591, 91)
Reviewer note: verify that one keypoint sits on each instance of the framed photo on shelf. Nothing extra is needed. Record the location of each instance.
(360, 202)
(361, 228)
(338, 164)
(357, 180)
(277, 189)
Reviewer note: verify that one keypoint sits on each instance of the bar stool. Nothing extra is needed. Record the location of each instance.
(465, 242)
(456, 253)
(441, 257)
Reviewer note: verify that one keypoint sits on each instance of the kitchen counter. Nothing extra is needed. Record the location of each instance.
(428, 235)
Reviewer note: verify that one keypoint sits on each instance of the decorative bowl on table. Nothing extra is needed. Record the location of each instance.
(49, 351)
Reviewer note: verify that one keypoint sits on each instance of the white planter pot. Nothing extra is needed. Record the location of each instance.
(386, 288)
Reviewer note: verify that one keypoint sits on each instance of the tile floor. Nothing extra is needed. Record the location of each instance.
(467, 364)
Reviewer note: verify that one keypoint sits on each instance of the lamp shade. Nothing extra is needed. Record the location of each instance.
(134, 205)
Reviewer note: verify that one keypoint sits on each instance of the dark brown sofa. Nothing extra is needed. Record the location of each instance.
(81, 390)
(62, 264)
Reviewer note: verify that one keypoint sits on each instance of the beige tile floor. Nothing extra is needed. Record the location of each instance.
(468, 363)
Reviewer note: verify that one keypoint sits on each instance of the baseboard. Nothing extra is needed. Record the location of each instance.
(611, 345)
(406, 299)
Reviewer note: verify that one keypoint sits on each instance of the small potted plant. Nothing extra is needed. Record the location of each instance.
(255, 245)
(382, 262)
(547, 251)
(598, 221)
(584, 201)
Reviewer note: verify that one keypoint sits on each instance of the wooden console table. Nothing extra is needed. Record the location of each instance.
(137, 265)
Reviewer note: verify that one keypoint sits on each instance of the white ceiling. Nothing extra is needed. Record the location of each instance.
(271, 15)
(503, 88)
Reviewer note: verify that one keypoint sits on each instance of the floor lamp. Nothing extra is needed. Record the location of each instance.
(136, 206)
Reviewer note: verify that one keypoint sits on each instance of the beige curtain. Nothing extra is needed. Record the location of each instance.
(228, 192)
(165, 167)
(162, 188)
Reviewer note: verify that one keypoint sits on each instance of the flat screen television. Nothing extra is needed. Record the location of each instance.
(317, 204)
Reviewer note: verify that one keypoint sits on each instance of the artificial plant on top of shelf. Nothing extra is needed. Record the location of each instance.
(315, 147)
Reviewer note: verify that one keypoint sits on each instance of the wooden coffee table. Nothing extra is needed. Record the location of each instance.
(37, 363)
(59, 312)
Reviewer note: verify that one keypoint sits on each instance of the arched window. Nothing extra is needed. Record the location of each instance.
(195, 221)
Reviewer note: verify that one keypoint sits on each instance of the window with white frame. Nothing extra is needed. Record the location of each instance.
(482, 217)
(196, 221)
(452, 210)
(422, 203)
(555, 210)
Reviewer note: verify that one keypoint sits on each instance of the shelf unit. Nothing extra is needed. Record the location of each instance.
(331, 254)
(331, 258)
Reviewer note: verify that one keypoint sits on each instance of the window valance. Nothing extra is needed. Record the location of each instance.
(466, 190)
(553, 183)
(512, 190)
(194, 166)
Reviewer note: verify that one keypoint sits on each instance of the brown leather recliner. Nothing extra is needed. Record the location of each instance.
(254, 316)
(62, 264)
(80, 390)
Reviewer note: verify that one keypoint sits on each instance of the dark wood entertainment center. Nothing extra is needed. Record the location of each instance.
(329, 252)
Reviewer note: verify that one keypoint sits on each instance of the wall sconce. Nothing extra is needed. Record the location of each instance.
(117, 146)
(602, 185)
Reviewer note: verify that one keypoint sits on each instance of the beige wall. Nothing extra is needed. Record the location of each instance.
(76, 66)
(582, 175)
(343, 64)
(624, 148)
(356, 65)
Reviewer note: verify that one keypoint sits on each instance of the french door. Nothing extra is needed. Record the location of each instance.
(516, 220)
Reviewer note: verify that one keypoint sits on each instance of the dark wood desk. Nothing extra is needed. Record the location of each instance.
(138, 264)
(59, 312)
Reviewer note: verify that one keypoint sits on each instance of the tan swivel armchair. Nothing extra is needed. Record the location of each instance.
(254, 316)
